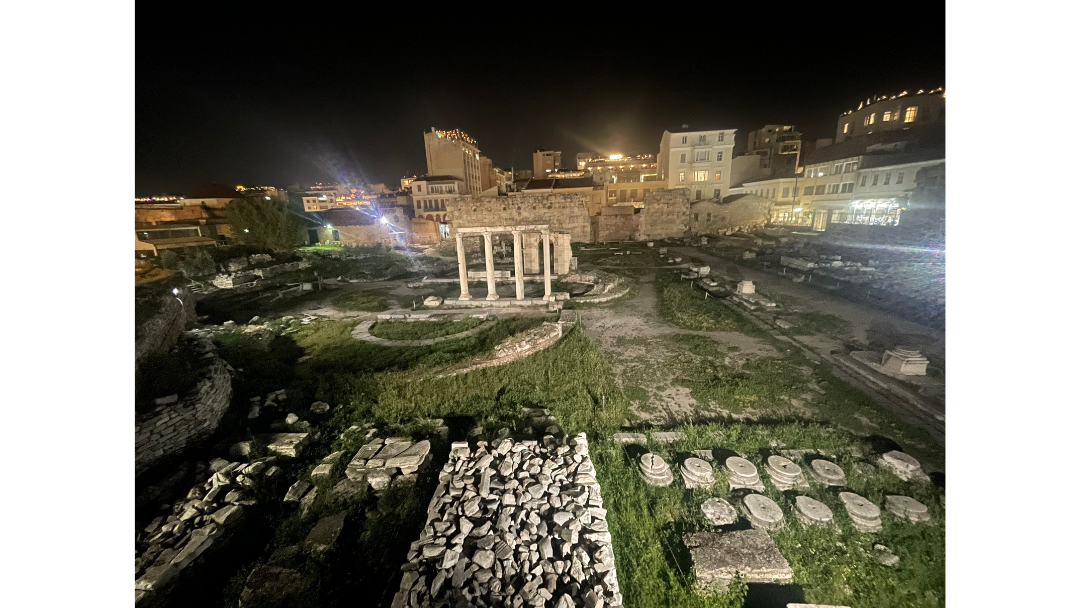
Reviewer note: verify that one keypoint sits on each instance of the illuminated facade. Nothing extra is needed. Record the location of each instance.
(431, 193)
(616, 168)
(697, 160)
(778, 145)
(898, 112)
(546, 162)
(454, 153)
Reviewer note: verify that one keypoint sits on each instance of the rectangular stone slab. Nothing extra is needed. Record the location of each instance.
(752, 553)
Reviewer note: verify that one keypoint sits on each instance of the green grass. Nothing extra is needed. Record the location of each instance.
(807, 323)
(683, 306)
(362, 301)
(422, 330)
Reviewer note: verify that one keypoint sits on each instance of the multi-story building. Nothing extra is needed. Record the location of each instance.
(894, 113)
(778, 145)
(545, 162)
(406, 182)
(697, 160)
(454, 153)
(430, 194)
(583, 157)
(617, 168)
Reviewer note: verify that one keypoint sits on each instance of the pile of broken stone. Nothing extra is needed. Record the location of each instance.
(171, 542)
(514, 524)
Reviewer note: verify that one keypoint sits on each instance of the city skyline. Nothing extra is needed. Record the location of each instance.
(291, 117)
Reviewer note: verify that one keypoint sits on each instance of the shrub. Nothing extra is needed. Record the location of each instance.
(169, 259)
(198, 265)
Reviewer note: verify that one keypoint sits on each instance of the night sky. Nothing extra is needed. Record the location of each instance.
(268, 109)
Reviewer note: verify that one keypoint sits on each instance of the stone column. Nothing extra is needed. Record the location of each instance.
(489, 263)
(463, 274)
(519, 266)
(531, 242)
(547, 266)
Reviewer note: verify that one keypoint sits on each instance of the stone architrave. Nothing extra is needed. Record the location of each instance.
(906, 507)
(668, 436)
(785, 474)
(865, 515)
(763, 512)
(489, 266)
(654, 470)
(719, 512)
(696, 473)
(742, 474)
(905, 467)
(463, 277)
(752, 554)
(827, 473)
(519, 267)
(812, 512)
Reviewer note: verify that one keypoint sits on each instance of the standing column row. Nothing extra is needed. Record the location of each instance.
(519, 265)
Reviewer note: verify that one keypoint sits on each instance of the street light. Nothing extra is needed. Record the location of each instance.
(383, 220)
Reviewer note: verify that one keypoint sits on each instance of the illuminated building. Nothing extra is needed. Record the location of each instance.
(545, 162)
(893, 113)
(617, 168)
(778, 145)
(697, 160)
(454, 153)
(430, 193)
(406, 182)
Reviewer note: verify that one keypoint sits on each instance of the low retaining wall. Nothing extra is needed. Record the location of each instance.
(514, 348)
(170, 428)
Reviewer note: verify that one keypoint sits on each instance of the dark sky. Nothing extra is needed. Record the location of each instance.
(275, 109)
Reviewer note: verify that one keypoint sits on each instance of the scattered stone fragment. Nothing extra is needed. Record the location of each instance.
(629, 438)
(668, 436)
(322, 471)
(291, 419)
(325, 532)
(286, 444)
(812, 512)
(763, 512)
(907, 507)
(717, 558)
(785, 474)
(411, 456)
(905, 467)
(865, 515)
(320, 407)
(885, 556)
(827, 473)
(696, 473)
(742, 474)
(297, 491)
(654, 470)
(308, 500)
(719, 512)
(227, 514)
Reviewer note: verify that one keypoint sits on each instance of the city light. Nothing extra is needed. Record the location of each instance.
(797, 209)
(615, 157)
(383, 220)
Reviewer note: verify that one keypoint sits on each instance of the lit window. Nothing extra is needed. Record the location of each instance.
(682, 159)
(716, 176)
(862, 184)
(682, 176)
(865, 121)
(700, 176)
(838, 168)
(900, 177)
(872, 115)
(701, 156)
(874, 183)
(847, 126)
(910, 113)
(684, 139)
(886, 117)
(808, 191)
(888, 177)
(720, 137)
(612, 193)
(720, 156)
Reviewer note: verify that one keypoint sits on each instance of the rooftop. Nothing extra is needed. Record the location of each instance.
(932, 136)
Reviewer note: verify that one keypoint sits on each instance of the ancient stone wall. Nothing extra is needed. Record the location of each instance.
(513, 348)
(161, 331)
(741, 212)
(666, 214)
(170, 428)
(563, 212)
(614, 227)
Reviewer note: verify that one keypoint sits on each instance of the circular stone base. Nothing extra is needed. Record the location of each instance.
(812, 512)
(763, 512)
(741, 467)
(654, 470)
(719, 512)
(907, 507)
(696, 473)
(827, 473)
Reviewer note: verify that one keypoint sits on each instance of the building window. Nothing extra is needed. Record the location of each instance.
(337, 237)
(847, 126)
(862, 184)
(720, 137)
(695, 217)
(700, 176)
(847, 187)
(716, 176)
(834, 188)
(820, 189)
(866, 121)
(684, 139)
(708, 217)
(849, 167)
(874, 183)
(419, 188)
(682, 176)
(633, 193)
(900, 177)
(786, 190)
(701, 139)
(888, 177)
(716, 193)
(613, 194)
(838, 169)
(808, 191)
(886, 117)
(682, 159)
(910, 113)
(701, 156)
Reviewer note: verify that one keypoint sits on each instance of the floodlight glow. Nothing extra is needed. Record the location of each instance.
(383, 220)
(175, 291)
(329, 226)
(245, 229)
(615, 157)
(267, 198)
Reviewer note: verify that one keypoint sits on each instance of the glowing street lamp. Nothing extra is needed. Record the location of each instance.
(383, 220)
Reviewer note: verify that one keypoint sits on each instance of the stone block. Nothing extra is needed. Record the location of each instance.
(325, 533)
(286, 444)
(751, 553)
(629, 438)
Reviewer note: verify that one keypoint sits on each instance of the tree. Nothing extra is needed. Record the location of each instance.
(198, 265)
(265, 224)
